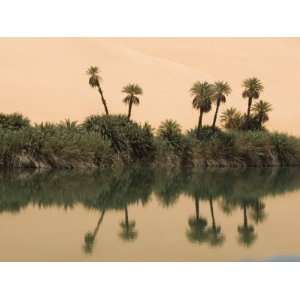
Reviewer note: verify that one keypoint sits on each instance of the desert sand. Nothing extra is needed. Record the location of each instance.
(45, 79)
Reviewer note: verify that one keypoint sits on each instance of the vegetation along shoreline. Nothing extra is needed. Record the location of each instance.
(110, 141)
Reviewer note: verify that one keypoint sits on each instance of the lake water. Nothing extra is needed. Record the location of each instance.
(141, 214)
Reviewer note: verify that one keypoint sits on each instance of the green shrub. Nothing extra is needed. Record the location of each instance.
(127, 138)
(13, 121)
(287, 147)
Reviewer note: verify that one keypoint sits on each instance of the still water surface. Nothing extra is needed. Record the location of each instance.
(144, 215)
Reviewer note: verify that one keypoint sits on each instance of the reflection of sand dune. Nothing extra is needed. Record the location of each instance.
(45, 78)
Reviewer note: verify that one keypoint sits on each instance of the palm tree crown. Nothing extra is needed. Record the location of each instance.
(261, 110)
(203, 93)
(132, 90)
(222, 89)
(169, 128)
(231, 118)
(94, 80)
(252, 88)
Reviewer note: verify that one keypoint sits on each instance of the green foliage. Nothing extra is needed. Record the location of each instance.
(127, 138)
(287, 148)
(60, 146)
(170, 131)
(231, 119)
(13, 121)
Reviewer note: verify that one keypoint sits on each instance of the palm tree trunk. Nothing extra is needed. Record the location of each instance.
(260, 121)
(98, 224)
(200, 123)
(103, 100)
(245, 216)
(197, 208)
(249, 108)
(129, 110)
(216, 115)
(126, 217)
(212, 213)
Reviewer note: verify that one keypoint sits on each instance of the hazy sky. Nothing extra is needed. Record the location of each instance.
(45, 79)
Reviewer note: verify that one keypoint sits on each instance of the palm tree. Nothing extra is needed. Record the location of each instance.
(221, 89)
(231, 118)
(252, 89)
(246, 231)
(132, 90)
(89, 238)
(261, 110)
(128, 232)
(202, 93)
(94, 82)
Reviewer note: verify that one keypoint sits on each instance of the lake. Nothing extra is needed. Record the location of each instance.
(141, 214)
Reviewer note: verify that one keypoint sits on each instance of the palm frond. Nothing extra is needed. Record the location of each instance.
(132, 89)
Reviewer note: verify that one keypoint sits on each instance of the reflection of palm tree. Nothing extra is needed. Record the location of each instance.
(258, 211)
(89, 238)
(197, 225)
(128, 232)
(216, 238)
(246, 232)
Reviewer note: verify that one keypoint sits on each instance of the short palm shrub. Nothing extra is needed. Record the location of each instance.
(170, 131)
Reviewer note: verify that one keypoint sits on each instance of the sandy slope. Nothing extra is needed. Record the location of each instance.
(45, 78)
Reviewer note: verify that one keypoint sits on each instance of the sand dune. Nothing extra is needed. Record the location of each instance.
(45, 78)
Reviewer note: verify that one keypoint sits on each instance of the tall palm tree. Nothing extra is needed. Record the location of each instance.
(252, 90)
(89, 238)
(132, 90)
(128, 232)
(94, 82)
(202, 93)
(231, 118)
(261, 110)
(221, 89)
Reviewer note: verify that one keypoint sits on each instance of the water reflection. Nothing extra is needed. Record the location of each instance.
(230, 190)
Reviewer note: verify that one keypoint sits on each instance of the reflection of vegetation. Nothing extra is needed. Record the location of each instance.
(246, 232)
(89, 238)
(128, 232)
(216, 237)
(117, 190)
(168, 187)
(197, 225)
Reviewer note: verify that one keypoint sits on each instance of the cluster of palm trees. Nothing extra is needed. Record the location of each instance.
(131, 90)
(204, 96)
